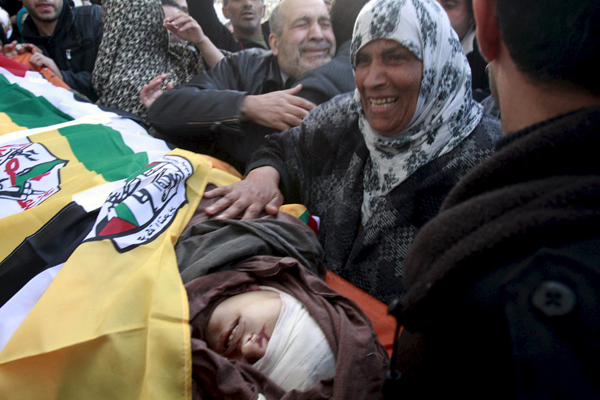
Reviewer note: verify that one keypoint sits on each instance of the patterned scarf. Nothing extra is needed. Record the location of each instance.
(446, 112)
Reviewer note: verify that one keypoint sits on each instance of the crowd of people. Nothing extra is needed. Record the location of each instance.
(445, 146)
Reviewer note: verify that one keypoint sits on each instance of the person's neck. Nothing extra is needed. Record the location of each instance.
(46, 28)
(524, 103)
(238, 34)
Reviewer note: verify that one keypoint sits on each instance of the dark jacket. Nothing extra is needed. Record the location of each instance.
(73, 46)
(204, 12)
(204, 114)
(321, 164)
(504, 284)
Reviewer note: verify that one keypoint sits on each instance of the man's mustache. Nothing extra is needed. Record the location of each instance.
(312, 46)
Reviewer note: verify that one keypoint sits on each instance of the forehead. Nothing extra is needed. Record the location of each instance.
(293, 10)
(383, 46)
(239, 2)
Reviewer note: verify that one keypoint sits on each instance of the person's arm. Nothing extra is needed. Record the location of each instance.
(293, 159)
(279, 110)
(209, 102)
(204, 12)
(218, 101)
(188, 29)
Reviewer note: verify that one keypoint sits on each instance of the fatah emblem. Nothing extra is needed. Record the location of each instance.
(145, 206)
(29, 174)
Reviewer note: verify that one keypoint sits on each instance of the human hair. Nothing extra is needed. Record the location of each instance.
(554, 42)
(343, 15)
(172, 3)
(469, 4)
(276, 21)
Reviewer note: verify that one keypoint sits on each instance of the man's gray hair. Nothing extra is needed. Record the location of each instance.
(276, 21)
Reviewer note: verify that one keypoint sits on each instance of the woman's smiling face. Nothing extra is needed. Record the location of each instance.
(388, 78)
(241, 326)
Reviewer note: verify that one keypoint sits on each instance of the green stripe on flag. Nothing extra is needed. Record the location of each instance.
(305, 217)
(27, 110)
(102, 149)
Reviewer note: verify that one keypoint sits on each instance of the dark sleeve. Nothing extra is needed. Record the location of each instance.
(204, 12)
(302, 154)
(81, 82)
(211, 101)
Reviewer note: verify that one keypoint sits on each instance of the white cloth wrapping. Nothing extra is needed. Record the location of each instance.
(446, 112)
(298, 354)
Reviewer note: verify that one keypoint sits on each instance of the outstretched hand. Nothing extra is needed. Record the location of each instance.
(185, 27)
(280, 110)
(258, 192)
(153, 90)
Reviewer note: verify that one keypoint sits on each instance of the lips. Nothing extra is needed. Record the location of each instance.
(382, 102)
(229, 338)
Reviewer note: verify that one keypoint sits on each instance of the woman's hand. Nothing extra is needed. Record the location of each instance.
(257, 192)
(185, 27)
(152, 90)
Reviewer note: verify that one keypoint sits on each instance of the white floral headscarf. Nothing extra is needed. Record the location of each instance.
(446, 112)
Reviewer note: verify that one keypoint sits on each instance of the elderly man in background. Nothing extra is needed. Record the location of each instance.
(503, 286)
(227, 111)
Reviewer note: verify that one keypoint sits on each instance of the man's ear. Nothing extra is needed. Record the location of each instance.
(273, 43)
(225, 13)
(488, 28)
(264, 10)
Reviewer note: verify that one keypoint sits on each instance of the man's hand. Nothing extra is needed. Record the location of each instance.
(152, 90)
(14, 49)
(39, 61)
(186, 28)
(280, 110)
(257, 192)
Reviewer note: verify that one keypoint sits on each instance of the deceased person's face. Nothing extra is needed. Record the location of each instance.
(241, 326)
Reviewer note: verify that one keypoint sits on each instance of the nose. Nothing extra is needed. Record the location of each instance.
(315, 32)
(251, 350)
(376, 75)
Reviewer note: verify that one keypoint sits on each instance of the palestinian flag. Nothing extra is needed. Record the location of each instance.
(91, 302)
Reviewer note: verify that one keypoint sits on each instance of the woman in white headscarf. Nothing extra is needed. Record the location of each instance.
(375, 165)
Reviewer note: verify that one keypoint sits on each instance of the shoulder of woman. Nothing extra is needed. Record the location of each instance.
(336, 113)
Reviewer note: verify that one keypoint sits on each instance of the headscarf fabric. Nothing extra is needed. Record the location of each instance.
(445, 113)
